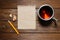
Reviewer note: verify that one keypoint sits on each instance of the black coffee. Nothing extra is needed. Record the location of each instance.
(45, 12)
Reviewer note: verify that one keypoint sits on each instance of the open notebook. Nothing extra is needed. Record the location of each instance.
(26, 17)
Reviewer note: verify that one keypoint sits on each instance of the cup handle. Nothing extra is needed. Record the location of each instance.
(54, 20)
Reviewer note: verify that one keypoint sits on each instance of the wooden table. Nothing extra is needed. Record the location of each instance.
(41, 33)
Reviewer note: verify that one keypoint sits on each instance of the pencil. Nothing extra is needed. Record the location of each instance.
(13, 27)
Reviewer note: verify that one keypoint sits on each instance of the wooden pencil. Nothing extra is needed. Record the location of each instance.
(13, 27)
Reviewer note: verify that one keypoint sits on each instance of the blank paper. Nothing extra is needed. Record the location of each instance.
(26, 17)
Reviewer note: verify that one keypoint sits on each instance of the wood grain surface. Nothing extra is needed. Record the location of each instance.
(41, 33)
(38, 3)
(29, 36)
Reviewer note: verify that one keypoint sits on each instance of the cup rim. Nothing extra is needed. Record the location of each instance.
(43, 6)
